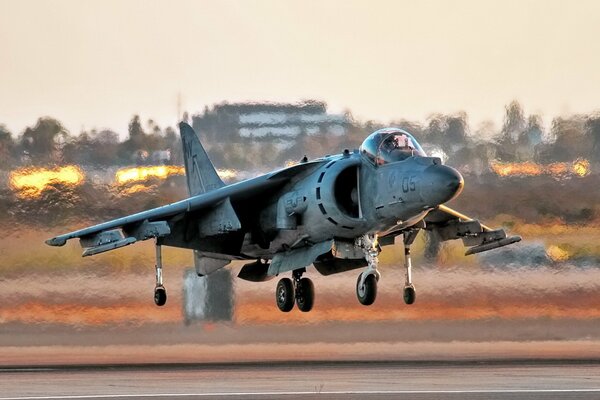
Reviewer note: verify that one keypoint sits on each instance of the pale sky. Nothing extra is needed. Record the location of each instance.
(95, 63)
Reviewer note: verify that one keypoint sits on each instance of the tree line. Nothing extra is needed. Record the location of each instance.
(520, 138)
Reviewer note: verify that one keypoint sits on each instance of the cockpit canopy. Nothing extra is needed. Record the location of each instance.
(390, 145)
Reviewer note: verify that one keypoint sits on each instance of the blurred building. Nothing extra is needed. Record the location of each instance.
(237, 122)
(161, 157)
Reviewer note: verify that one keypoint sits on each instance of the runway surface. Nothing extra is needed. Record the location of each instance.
(309, 380)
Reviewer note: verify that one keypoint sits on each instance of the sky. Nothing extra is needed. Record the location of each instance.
(93, 64)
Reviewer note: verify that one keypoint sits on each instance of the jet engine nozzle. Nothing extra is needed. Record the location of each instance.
(441, 184)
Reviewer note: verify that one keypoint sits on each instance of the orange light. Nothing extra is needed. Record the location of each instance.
(227, 174)
(579, 167)
(526, 168)
(135, 188)
(142, 174)
(557, 254)
(159, 172)
(31, 182)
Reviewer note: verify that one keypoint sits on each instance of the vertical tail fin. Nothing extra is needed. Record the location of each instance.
(199, 171)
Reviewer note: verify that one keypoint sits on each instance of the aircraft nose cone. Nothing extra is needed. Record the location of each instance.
(453, 178)
(444, 183)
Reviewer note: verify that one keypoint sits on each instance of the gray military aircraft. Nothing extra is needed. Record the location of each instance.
(334, 212)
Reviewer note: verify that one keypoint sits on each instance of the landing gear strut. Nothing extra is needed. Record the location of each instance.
(160, 293)
(366, 285)
(410, 294)
(301, 290)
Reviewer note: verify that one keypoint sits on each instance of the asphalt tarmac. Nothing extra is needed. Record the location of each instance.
(309, 380)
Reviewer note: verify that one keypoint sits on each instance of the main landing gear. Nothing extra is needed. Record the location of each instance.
(160, 293)
(366, 284)
(301, 290)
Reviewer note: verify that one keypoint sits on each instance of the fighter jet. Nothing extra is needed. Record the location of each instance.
(335, 213)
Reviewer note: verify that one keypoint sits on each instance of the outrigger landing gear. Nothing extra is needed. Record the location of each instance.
(160, 293)
(410, 294)
(301, 290)
(366, 285)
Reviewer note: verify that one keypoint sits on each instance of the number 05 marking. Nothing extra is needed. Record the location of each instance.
(409, 184)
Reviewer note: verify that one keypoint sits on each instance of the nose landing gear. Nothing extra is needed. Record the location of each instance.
(366, 285)
(366, 291)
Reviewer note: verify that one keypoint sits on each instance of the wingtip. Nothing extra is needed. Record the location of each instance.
(55, 242)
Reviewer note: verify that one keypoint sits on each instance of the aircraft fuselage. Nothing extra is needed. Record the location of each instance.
(349, 196)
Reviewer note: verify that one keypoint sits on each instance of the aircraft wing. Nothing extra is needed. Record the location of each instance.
(450, 224)
(153, 223)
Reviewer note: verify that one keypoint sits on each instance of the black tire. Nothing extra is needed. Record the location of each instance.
(368, 292)
(160, 296)
(284, 295)
(410, 295)
(305, 295)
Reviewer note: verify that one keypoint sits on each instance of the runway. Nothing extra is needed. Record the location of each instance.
(309, 380)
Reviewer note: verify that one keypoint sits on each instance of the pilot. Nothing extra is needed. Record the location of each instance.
(402, 141)
(396, 148)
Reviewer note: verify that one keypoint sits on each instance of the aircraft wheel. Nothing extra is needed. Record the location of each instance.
(368, 291)
(305, 294)
(410, 295)
(284, 295)
(160, 295)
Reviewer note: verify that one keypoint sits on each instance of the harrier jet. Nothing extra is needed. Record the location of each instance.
(335, 213)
